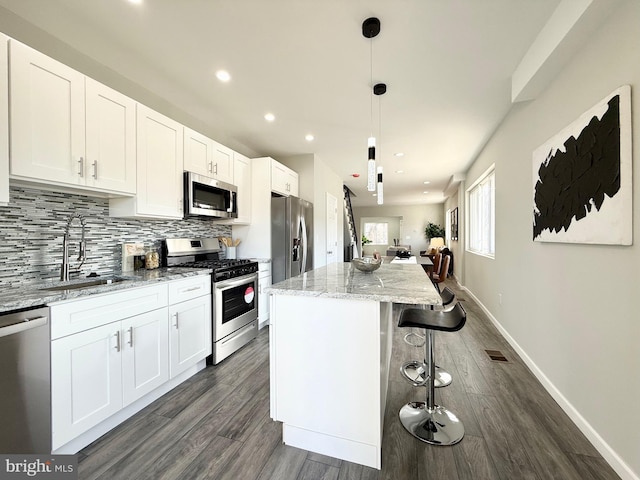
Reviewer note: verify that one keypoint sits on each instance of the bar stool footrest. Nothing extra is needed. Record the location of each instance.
(415, 372)
(408, 340)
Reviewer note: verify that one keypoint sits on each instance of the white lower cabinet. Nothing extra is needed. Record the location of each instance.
(145, 354)
(86, 381)
(109, 351)
(97, 372)
(190, 333)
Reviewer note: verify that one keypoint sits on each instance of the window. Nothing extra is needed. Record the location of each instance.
(482, 223)
(377, 233)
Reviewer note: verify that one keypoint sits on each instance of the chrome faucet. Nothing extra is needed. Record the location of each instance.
(64, 270)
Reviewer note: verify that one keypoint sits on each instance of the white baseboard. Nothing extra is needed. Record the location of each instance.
(610, 456)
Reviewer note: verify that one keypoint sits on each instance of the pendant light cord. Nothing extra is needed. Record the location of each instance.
(371, 85)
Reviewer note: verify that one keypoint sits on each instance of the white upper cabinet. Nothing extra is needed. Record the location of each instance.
(283, 180)
(222, 163)
(159, 164)
(242, 180)
(111, 138)
(198, 153)
(4, 120)
(207, 157)
(47, 118)
(67, 129)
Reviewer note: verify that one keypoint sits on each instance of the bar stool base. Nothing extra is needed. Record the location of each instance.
(437, 426)
(415, 373)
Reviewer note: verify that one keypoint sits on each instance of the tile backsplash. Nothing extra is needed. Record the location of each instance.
(32, 227)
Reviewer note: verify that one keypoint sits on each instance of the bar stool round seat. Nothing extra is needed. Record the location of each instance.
(427, 421)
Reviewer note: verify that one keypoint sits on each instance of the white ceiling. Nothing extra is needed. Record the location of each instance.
(447, 65)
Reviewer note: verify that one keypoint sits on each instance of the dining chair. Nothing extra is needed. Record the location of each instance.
(441, 276)
(436, 263)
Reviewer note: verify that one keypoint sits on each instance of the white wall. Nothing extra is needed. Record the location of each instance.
(316, 179)
(572, 309)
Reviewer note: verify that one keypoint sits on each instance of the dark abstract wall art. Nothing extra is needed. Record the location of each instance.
(582, 177)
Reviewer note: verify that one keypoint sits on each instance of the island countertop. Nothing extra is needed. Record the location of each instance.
(395, 283)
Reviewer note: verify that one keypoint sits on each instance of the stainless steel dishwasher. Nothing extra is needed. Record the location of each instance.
(25, 381)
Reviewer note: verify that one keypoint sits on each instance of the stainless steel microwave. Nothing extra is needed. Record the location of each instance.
(208, 197)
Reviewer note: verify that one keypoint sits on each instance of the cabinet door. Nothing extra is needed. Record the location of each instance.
(292, 183)
(190, 333)
(222, 163)
(4, 120)
(159, 164)
(111, 139)
(47, 117)
(279, 178)
(242, 180)
(86, 382)
(145, 353)
(283, 180)
(198, 153)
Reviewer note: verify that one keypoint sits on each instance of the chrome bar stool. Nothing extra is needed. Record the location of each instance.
(427, 421)
(415, 371)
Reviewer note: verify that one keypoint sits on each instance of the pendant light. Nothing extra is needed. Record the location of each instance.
(370, 29)
(379, 196)
(380, 89)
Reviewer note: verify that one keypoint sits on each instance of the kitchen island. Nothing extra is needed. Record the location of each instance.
(330, 349)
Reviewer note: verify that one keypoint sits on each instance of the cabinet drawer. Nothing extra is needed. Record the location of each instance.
(193, 287)
(78, 315)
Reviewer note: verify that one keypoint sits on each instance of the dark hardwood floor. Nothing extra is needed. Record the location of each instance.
(217, 425)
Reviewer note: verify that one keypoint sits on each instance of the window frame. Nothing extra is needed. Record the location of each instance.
(364, 227)
(487, 240)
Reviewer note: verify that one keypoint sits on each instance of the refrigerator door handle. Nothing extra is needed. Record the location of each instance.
(303, 225)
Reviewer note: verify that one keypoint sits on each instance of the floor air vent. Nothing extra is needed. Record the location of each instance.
(496, 356)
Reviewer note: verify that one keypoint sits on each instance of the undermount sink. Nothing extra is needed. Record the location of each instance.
(88, 284)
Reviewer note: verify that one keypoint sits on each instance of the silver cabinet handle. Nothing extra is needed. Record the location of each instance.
(117, 335)
(191, 289)
(175, 316)
(95, 169)
(81, 167)
(131, 336)
(210, 167)
(215, 169)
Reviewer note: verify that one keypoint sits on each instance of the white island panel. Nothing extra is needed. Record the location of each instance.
(331, 362)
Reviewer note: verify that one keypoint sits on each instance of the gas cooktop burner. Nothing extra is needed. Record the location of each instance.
(204, 253)
(215, 264)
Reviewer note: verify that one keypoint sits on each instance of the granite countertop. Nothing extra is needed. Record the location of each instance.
(34, 295)
(397, 283)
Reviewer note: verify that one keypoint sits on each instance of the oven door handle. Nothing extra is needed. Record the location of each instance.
(234, 282)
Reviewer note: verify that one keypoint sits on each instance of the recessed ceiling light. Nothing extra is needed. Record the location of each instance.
(374, 194)
(426, 182)
(137, 2)
(223, 75)
(309, 138)
(269, 117)
(399, 171)
(425, 192)
(399, 154)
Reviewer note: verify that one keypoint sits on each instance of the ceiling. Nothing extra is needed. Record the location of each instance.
(447, 65)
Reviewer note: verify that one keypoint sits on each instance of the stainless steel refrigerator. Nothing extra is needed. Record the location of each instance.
(291, 237)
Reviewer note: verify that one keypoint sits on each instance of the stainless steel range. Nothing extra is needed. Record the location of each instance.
(234, 287)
